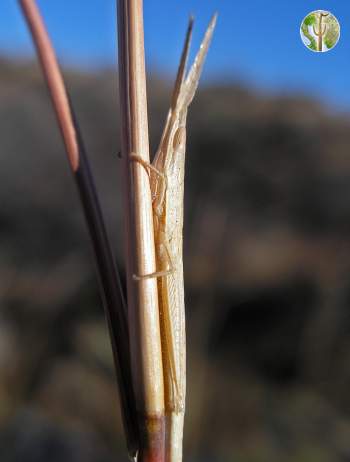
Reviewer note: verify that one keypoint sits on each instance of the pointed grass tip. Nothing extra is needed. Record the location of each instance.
(213, 20)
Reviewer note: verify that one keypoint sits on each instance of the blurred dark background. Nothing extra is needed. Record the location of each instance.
(267, 260)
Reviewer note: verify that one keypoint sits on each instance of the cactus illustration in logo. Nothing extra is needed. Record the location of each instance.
(320, 31)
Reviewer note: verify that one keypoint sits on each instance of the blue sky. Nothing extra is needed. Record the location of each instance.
(256, 42)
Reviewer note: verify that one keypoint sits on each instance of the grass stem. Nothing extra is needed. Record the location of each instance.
(110, 286)
(146, 354)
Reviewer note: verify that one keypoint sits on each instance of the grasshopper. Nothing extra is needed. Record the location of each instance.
(166, 174)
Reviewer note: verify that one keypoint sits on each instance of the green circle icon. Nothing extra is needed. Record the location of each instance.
(320, 31)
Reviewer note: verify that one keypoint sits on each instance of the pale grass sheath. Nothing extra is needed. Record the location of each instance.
(167, 173)
(142, 296)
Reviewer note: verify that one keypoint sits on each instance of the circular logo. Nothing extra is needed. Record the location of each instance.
(320, 31)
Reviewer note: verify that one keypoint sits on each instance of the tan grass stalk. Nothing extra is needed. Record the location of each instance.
(146, 354)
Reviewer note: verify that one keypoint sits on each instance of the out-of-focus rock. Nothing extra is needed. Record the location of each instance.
(84, 396)
(32, 437)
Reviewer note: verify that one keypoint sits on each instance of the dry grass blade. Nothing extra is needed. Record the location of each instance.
(108, 276)
(146, 353)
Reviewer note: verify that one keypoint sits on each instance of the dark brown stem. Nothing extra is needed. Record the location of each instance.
(110, 286)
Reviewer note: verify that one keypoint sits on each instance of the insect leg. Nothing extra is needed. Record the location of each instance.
(159, 274)
(148, 165)
(156, 274)
(174, 396)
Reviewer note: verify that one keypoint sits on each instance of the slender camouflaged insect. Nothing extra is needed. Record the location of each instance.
(167, 187)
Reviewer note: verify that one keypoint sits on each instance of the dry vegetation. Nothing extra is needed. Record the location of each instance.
(267, 276)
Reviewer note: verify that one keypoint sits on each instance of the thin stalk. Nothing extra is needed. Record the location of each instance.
(146, 354)
(110, 286)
